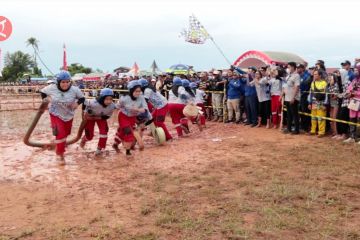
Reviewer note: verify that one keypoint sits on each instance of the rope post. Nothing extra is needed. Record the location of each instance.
(225, 110)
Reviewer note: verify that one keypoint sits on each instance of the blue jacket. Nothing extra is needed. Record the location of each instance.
(305, 82)
(239, 70)
(249, 90)
(351, 75)
(234, 89)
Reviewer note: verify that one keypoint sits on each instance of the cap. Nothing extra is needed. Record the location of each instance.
(347, 62)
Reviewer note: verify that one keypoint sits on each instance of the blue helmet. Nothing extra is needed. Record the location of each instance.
(106, 92)
(177, 81)
(143, 82)
(63, 75)
(185, 83)
(193, 85)
(132, 84)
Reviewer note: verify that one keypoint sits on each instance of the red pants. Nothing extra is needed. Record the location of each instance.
(125, 131)
(202, 116)
(103, 131)
(159, 120)
(150, 107)
(177, 117)
(275, 109)
(61, 130)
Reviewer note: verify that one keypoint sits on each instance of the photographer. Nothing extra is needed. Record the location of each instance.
(216, 84)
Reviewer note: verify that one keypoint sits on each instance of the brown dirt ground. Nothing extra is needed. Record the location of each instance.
(228, 182)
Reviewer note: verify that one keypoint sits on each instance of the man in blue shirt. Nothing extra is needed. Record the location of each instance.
(251, 101)
(233, 95)
(347, 66)
(305, 83)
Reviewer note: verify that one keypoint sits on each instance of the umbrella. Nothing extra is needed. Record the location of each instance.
(180, 69)
(122, 69)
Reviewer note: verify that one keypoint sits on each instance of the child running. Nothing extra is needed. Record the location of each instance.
(64, 99)
(177, 101)
(130, 106)
(192, 99)
(159, 104)
(98, 111)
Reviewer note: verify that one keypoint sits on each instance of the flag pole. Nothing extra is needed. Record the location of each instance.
(217, 46)
(64, 58)
(221, 52)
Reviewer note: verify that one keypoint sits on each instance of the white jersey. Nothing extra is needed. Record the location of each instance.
(189, 98)
(182, 96)
(155, 98)
(276, 87)
(62, 103)
(262, 90)
(95, 109)
(199, 96)
(292, 81)
(128, 106)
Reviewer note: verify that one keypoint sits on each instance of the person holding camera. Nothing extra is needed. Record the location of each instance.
(217, 83)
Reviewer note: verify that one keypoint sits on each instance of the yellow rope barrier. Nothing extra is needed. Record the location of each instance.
(126, 91)
(327, 118)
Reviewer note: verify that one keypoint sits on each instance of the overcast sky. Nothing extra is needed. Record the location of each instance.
(107, 34)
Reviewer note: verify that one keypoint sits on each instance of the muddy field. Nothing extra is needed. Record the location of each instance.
(227, 182)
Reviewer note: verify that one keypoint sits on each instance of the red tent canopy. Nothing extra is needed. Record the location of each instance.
(260, 59)
(90, 78)
(94, 77)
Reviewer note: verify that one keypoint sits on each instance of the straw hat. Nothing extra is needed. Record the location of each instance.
(160, 137)
(191, 110)
(158, 133)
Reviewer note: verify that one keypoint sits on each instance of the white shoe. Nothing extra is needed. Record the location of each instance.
(341, 137)
(349, 140)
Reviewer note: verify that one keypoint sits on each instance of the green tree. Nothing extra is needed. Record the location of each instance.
(34, 43)
(78, 68)
(16, 65)
(37, 72)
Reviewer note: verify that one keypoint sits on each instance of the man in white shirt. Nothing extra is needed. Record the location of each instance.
(292, 98)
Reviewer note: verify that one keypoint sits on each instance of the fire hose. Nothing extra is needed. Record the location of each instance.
(49, 145)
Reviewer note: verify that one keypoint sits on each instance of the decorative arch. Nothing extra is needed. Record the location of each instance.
(261, 59)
